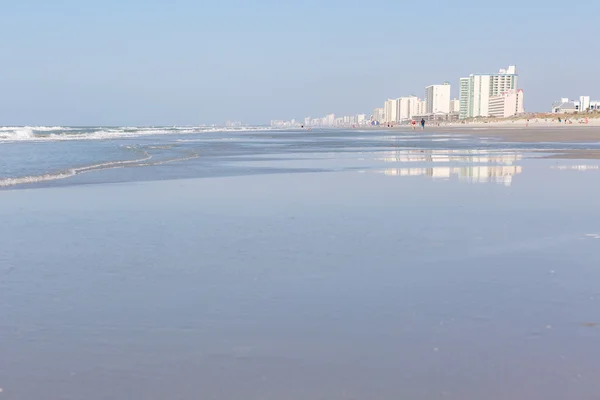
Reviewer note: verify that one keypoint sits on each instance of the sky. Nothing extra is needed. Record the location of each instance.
(182, 62)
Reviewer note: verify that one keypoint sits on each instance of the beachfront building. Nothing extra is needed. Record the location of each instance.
(329, 120)
(477, 89)
(464, 97)
(399, 110)
(507, 104)
(455, 106)
(572, 106)
(437, 118)
(585, 104)
(437, 98)
(391, 111)
(407, 107)
(421, 107)
(378, 115)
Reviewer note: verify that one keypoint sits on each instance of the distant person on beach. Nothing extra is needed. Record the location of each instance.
(423, 123)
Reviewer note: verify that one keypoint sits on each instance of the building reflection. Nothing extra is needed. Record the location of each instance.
(471, 156)
(578, 167)
(472, 174)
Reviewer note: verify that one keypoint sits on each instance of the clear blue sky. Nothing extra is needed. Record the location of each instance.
(132, 62)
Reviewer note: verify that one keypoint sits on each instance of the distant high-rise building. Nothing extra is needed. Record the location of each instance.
(421, 107)
(438, 98)
(454, 106)
(407, 107)
(379, 115)
(506, 104)
(330, 120)
(477, 89)
(391, 111)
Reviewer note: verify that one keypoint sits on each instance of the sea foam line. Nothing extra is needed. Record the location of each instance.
(6, 182)
(56, 134)
(141, 162)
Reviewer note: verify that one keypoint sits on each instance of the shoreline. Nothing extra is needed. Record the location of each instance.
(530, 134)
(542, 133)
(534, 133)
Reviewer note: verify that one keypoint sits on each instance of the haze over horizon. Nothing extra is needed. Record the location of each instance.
(185, 62)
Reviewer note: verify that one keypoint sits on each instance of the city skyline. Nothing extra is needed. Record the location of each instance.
(480, 95)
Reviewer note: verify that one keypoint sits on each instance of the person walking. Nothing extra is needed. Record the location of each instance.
(414, 124)
(423, 123)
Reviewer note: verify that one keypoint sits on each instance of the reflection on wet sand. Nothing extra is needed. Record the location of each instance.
(474, 174)
(472, 156)
(578, 167)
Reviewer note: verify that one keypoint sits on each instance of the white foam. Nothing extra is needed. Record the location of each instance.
(57, 133)
(140, 162)
(171, 160)
(35, 128)
(6, 182)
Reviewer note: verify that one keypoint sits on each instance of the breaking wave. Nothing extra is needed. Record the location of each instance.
(59, 133)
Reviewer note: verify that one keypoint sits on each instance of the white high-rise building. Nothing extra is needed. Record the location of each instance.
(379, 115)
(329, 120)
(477, 89)
(391, 111)
(506, 104)
(584, 103)
(402, 109)
(438, 98)
(421, 107)
(407, 107)
(454, 106)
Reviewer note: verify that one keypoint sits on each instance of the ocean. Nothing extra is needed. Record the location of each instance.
(59, 156)
(256, 263)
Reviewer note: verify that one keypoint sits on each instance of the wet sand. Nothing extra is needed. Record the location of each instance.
(342, 285)
(410, 267)
(590, 154)
(536, 134)
(530, 134)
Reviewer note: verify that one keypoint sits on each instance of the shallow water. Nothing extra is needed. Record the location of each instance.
(55, 156)
(326, 270)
